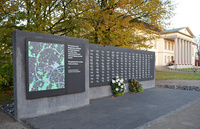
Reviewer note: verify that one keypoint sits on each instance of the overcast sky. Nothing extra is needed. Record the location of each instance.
(187, 15)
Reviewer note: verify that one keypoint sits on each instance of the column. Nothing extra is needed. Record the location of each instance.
(179, 47)
(188, 55)
(176, 51)
(182, 54)
(186, 62)
(190, 52)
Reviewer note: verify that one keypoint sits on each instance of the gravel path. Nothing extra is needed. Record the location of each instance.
(179, 82)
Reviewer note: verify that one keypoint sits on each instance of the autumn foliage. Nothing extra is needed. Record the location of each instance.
(124, 23)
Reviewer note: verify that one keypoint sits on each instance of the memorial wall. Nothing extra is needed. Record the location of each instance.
(51, 73)
(55, 73)
(107, 62)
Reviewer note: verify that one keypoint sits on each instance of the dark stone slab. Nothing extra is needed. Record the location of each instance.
(107, 62)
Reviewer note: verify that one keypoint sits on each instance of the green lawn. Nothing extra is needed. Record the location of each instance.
(161, 75)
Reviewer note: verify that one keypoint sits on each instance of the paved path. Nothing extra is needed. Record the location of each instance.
(178, 82)
(188, 118)
(7, 122)
(125, 112)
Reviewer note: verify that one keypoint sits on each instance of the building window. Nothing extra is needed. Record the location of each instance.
(172, 46)
(168, 45)
(165, 45)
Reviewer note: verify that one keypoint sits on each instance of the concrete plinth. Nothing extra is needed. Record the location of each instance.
(104, 91)
(180, 66)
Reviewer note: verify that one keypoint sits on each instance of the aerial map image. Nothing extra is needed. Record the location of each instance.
(46, 67)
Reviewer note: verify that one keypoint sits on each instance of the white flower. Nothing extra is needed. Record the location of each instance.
(118, 80)
(122, 86)
(122, 80)
(113, 81)
(119, 84)
(117, 89)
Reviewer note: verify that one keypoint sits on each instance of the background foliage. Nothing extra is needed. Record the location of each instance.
(125, 23)
(197, 41)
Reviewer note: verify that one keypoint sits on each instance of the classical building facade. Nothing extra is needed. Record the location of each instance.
(175, 45)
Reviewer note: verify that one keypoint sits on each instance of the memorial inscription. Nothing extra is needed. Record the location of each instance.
(73, 54)
(109, 62)
(75, 77)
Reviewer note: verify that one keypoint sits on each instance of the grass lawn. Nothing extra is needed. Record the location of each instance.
(161, 75)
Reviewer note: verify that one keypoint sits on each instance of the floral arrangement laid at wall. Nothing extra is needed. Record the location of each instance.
(118, 86)
(135, 86)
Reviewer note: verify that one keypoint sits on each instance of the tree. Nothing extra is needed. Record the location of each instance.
(47, 16)
(126, 23)
(197, 41)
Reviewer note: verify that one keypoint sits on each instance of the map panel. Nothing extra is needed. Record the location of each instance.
(46, 65)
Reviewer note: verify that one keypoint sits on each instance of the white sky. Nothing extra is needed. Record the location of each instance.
(187, 15)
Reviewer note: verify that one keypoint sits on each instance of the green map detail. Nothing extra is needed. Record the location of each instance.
(46, 66)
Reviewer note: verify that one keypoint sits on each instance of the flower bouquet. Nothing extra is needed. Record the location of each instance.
(118, 86)
(134, 86)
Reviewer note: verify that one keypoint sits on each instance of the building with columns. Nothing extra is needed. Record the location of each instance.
(175, 45)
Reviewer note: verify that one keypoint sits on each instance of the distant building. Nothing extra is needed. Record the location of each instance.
(175, 45)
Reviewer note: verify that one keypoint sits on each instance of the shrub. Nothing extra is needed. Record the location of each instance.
(118, 86)
(135, 86)
(6, 77)
(6, 98)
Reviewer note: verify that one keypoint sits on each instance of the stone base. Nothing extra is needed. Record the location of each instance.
(180, 66)
(192, 88)
(104, 91)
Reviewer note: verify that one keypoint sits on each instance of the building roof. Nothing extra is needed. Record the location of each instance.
(179, 30)
(173, 30)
